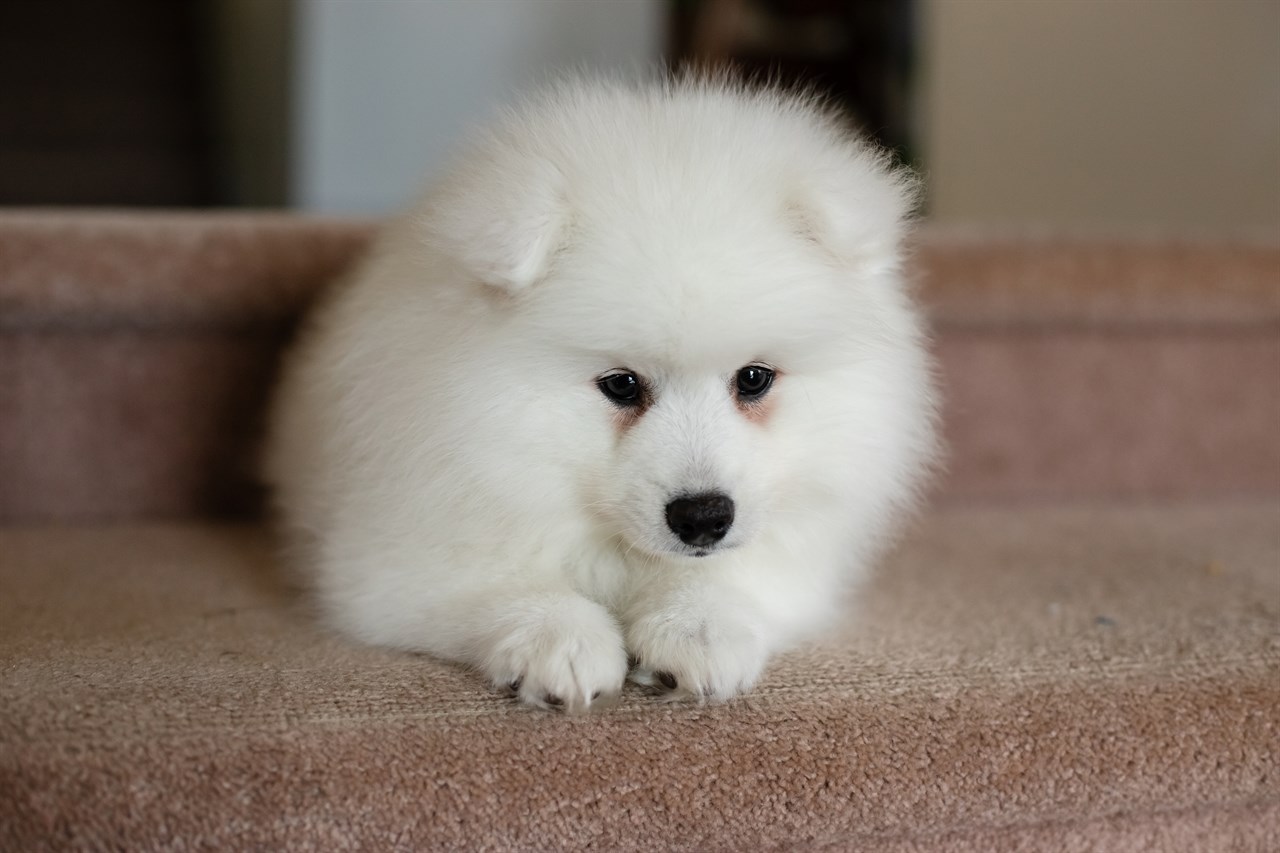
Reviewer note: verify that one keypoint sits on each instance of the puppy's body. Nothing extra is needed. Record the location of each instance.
(448, 440)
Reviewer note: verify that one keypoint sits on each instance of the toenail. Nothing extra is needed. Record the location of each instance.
(668, 680)
(514, 686)
(554, 701)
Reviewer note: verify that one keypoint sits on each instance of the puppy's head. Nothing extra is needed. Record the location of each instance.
(704, 282)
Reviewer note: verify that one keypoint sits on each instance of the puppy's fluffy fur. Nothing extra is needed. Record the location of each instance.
(526, 435)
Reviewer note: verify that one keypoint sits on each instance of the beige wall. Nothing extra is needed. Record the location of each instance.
(1096, 113)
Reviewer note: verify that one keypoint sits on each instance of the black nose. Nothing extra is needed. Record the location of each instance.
(700, 520)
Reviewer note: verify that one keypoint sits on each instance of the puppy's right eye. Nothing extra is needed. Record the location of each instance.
(622, 388)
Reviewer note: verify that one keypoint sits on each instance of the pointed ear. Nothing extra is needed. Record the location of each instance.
(503, 219)
(856, 209)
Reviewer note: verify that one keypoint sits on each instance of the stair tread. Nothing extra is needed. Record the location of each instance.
(1034, 663)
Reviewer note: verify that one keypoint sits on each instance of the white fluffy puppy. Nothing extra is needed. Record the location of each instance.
(638, 379)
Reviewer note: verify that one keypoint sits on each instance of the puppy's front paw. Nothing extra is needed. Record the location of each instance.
(704, 654)
(560, 652)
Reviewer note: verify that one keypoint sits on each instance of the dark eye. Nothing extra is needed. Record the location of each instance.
(621, 388)
(754, 381)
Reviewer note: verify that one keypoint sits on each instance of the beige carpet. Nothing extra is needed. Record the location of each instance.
(1085, 678)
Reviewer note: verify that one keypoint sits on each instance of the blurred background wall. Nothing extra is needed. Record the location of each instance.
(383, 90)
(1074, 113)
(1102, 112)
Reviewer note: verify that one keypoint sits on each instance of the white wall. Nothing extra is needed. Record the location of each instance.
(1098, 113)
(383, 88)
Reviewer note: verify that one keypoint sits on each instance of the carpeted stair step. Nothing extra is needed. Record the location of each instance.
(136, 351)
(1077, 648)
(1064, 678)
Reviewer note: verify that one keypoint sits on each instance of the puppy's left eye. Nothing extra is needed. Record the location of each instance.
(753, 381)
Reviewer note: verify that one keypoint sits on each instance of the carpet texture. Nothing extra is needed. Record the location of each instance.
(1077, 649)
(136, 351)
(1093, 678)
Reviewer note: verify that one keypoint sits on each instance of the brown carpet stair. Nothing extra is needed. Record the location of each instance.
(1077, 648)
